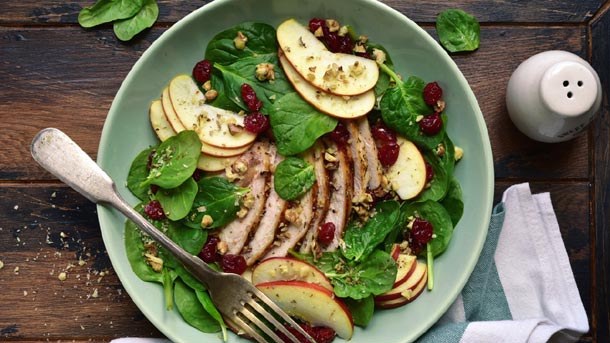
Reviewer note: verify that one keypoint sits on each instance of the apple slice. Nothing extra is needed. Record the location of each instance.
(405, 299)
(407, 176)
(215, 151)
(159, 122)
(213, 163)
(406, 267)
(170, 114)
(407, 286)
(346, 107)
(337, 73)
(215, 126)
(395, 251)
(314, 304)
(288, 269)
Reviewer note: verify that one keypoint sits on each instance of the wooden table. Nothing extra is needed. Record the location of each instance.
(54, 73)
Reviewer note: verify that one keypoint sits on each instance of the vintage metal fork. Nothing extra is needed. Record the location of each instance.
(236, 298)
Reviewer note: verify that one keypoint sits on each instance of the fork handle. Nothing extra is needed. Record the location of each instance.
(62, 157)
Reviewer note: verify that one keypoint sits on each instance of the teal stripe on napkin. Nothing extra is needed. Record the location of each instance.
(483, 297)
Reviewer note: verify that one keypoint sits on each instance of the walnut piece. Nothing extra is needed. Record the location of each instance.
(264, 72)
(240, 41)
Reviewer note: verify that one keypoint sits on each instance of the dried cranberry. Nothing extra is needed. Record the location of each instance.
(326, 233)
(432, 93)
(382, 133)
(320, 334)
(421, 231)
(202, 71)
(429, 172)
(256, 122)
(340, 135)
(249, 97)
(388, 153)
(154, 210)
(154, 189)
(338, 43)
(232, 263)
(197, 175)
(210, 253)
(316, 23)
(431, 124)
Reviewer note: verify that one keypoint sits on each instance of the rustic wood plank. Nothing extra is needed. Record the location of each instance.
(601, 136)
(537, 11)
(44, 231)
(75, 91)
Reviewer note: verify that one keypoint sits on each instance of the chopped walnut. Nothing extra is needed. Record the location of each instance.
(248, 200)
(356, 69)
(459, 153)
(240, 41)
(440, 106)
(440, 150)
(333, 25)
(207, 85)
(236, 170)
(222, 247)
(319, 32)
(363, 39)
(211, 94)
(359, 48)
(343, 30)
(242, 212)
(293, 215)
(235, 129)
(206, 221)
(379, 56)
(155, 262)
(264, 72)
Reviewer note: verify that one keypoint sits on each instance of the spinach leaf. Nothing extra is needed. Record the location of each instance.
(125, 29)
(401, 106)
(453, 201)
(436, 215)
(296, 125)
(243, 71)
(177, 202)
(458, 30)
(104, 11)
(261, 41)
(360, 240)
(218, 198)
(189, 239)
(362, 310)
(397, 232)
(138, 173)
(191, 309)
(134, 246)
(206, 301)
(175, 160)
(293, 177)
(375, 275)
(447, 156)
(221, 100)
(383, 82)
(440, 181)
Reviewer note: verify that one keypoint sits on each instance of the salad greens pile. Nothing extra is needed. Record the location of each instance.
(362, 267)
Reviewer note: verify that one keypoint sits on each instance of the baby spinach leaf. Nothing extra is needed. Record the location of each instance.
(125, 29)
(191, 309)
(436, 214)
(243, 71)
(218, 198)
(134, 247)
(293, 177)
(383, 82)
(458, 30)
(360, 240)
(177, 202)
(362, 310)
(138, 173)
(222, 100)
(401, 106)
(261, 41)
(206, 301)
(105, 11)
(439, 182)
(453, 201)
(446, 153)
(296, 125)
(175, 160)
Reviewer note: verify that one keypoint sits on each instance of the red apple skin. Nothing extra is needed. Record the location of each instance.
(402, 300)
(412, 283)
(395, 251)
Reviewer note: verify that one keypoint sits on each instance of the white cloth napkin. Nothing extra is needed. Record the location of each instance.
(522, 289)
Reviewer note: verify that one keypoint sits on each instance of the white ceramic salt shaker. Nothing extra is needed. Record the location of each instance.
(552, 96)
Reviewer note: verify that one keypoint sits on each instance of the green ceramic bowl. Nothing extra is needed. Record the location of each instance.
(127, 131)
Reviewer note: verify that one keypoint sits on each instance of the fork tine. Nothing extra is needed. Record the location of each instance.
(262, 297)
(245, 311)
(258, 308)
(248, 329)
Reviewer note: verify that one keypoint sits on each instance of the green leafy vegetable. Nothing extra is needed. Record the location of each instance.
(261, 41)
(175, 160)
(453, 201)
(403, 104)
(440, 180)
(218, 198)
(360, 240)
(206, 301)
(177, 202)
(436, 215)
(138, 172)
(192, 310)
(362, 310)
(297, 125)
(134, 246)
(293, 177)
(458, 30)
(105, 11)
(125, 29)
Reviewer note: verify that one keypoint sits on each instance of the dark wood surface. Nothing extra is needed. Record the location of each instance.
(54, 73)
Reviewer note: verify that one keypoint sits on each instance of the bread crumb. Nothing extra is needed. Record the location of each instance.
(62, 276)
